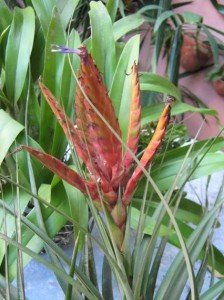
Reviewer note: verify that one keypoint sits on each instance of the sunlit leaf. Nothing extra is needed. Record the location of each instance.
(151, 113)
(102, 41)
(18, 50)
(9, 129)
(127, 24)
(155, 83)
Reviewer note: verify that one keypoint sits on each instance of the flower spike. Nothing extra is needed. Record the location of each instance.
(96, 144)
(134, 120)
(106, 149)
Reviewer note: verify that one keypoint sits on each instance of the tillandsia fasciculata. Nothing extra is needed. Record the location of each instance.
(96, 138)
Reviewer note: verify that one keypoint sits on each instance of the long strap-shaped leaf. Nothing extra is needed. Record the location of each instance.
(105, 146)
(64, 172)
(149, 153)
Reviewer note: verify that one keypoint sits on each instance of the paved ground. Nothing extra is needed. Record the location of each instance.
(41, 283)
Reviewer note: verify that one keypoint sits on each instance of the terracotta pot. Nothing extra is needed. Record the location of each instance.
(194, 53)
(219, 86)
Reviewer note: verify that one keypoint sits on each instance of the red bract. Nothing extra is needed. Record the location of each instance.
(96, 138)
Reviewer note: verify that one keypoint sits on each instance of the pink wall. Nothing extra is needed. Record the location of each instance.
(197, 82)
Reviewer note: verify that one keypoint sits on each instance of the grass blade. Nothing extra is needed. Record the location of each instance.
(107, 288)
(214, 291)
(102, 50)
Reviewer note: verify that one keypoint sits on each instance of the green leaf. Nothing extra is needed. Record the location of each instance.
(34, 109)
(112, 6)
(7, 223)
(126, 60)
(152, 112)
(218, 6)
(67, 93)
(149, 224)
(214, 45)
(174, 57)
(165, 175)
(68, 82)
(160, 34)
(192, 18)
(216, 289)
(172, 160)
(45, 192)
(4, 99)
(3, 4)
(188, 211)
(66, 9)
(210, 145)
(41, 174)
(180, 4)
(107, 288)
(53, 67)
(163, 17)
(127, 24)
(5, 285)
(78, 209)
(5, 18)
(44, 10)
(9, 129)
(102, 41)
(18, 50)
(155, 83)
(37, 55)
(148, 8)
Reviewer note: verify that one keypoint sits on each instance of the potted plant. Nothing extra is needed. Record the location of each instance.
(195, 53)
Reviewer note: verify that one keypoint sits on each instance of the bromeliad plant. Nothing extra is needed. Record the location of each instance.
(96, 138)
(55, 201)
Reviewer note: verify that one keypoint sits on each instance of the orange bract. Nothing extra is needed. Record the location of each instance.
(149, 153)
